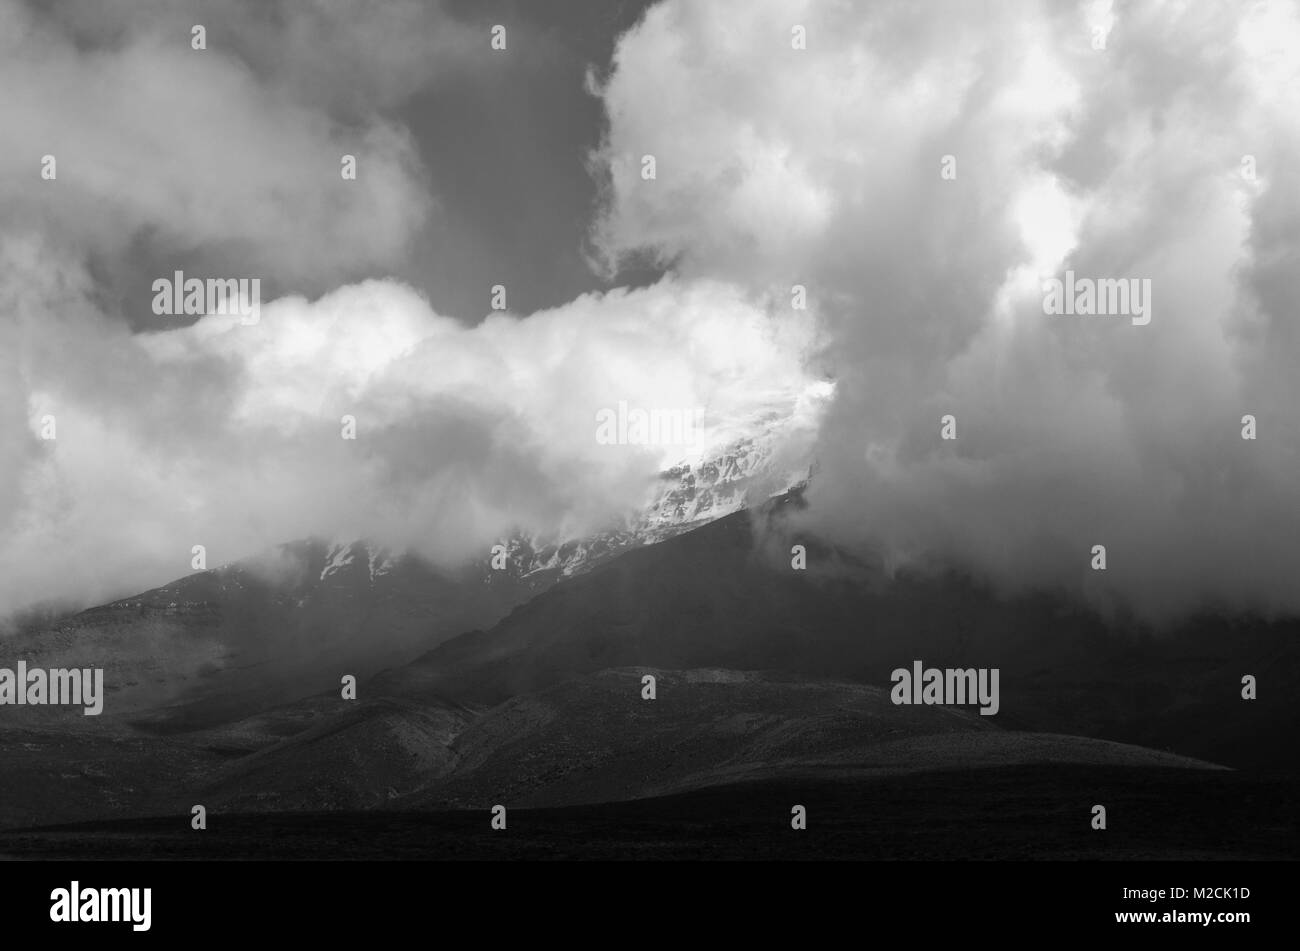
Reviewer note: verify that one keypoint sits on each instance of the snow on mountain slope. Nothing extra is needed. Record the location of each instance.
(763, 458)
(290, 620)
(744, 462)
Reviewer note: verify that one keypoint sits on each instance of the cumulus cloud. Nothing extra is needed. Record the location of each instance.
(230, 435)
(775, 166)
(823, 166)
(161, 148)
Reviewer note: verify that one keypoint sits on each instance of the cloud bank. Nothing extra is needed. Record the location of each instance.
(920, 169)
(230, 435)
(1108, 141)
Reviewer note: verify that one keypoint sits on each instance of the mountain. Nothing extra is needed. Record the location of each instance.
(726, 596)
(773, 686)
(291, 622)
(224, 643)
(682, 498)
(597, 739)
(479, 685)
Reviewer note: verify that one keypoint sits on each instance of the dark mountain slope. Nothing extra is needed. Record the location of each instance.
(726, 596)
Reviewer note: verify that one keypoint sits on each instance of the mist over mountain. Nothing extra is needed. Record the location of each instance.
(726, 595)
(290, 621)
(727, 429)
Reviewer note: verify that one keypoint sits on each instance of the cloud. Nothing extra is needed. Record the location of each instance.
(230, 435)
(823, 167)
(775, 166)
(345, 58)
(162, 149)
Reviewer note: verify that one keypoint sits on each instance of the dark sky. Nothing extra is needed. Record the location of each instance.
(503, 140)
(511, 145)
